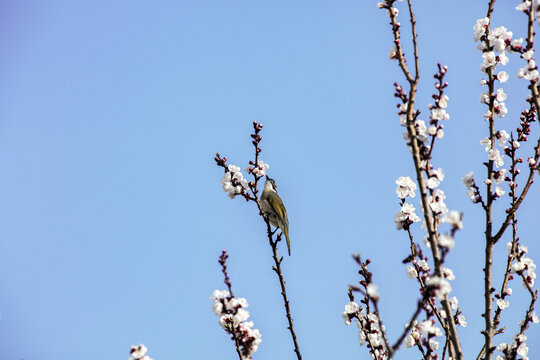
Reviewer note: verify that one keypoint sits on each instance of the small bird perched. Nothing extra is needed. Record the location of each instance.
(274, 209)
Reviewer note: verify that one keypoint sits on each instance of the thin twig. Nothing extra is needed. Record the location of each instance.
(407, 330)
(386, 343)
(236, 344)
(279, 273)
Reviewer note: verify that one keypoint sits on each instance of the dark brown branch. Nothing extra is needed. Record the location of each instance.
(530, 43)
(397, 42)
(273, 244)
(432, 232)
(415, 45)
(236, 344)
(488, 301)
(277, 269)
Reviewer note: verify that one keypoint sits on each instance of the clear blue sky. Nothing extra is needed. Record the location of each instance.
(112, 216)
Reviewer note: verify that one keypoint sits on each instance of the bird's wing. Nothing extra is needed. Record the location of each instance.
(276, 204)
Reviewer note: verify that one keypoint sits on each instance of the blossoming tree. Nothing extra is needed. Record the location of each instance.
(433, 328)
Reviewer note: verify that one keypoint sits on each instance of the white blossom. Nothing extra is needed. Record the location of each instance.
(443, 101)
(500, 108)
(393, 52)
(411, 272)
(461, 320)
(517, 42)
(436, 202)
(502, 76)
(486, 142)
(433, 344)
(496, 157)
(405, 216)
(523, 6)
(502, 137)
(501, 95)
(502, 304)
(351, 308)
(372, 290)
(448, 273)
(454, 303)
(259, 170)
(219, 294)
(499, 191)
(479, 28)
(423, 265)
(453, 218)
(503, 59)
(499, 175)
(405, 187)
(446, 241)
(441, 287)
(484, 97)
(489, 59)
(439, 114)
(433, 182)
(522, 350)
(468, 181)
(139, 353)
(409, 341)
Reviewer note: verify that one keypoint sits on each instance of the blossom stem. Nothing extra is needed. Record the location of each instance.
(236, 344)
(385, 338)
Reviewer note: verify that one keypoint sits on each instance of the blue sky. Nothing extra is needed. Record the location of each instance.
(112, 216)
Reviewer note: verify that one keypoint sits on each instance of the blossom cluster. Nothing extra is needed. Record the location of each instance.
(525, 6)
(438, 109)
(233, 181)
(406, 216)
(258, 170)
(437, 112)
(139, 353)
(494, 44)
(473, 192)
(370, 331)
(233, 318)
(517, 348)
(424, 333)
(438, 286)
(523, 265)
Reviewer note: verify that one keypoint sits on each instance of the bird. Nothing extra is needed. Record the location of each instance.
(274, 209)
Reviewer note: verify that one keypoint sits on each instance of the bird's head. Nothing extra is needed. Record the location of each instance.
(270, 183)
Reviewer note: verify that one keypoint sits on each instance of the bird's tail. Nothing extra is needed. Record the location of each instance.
(288, 242)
